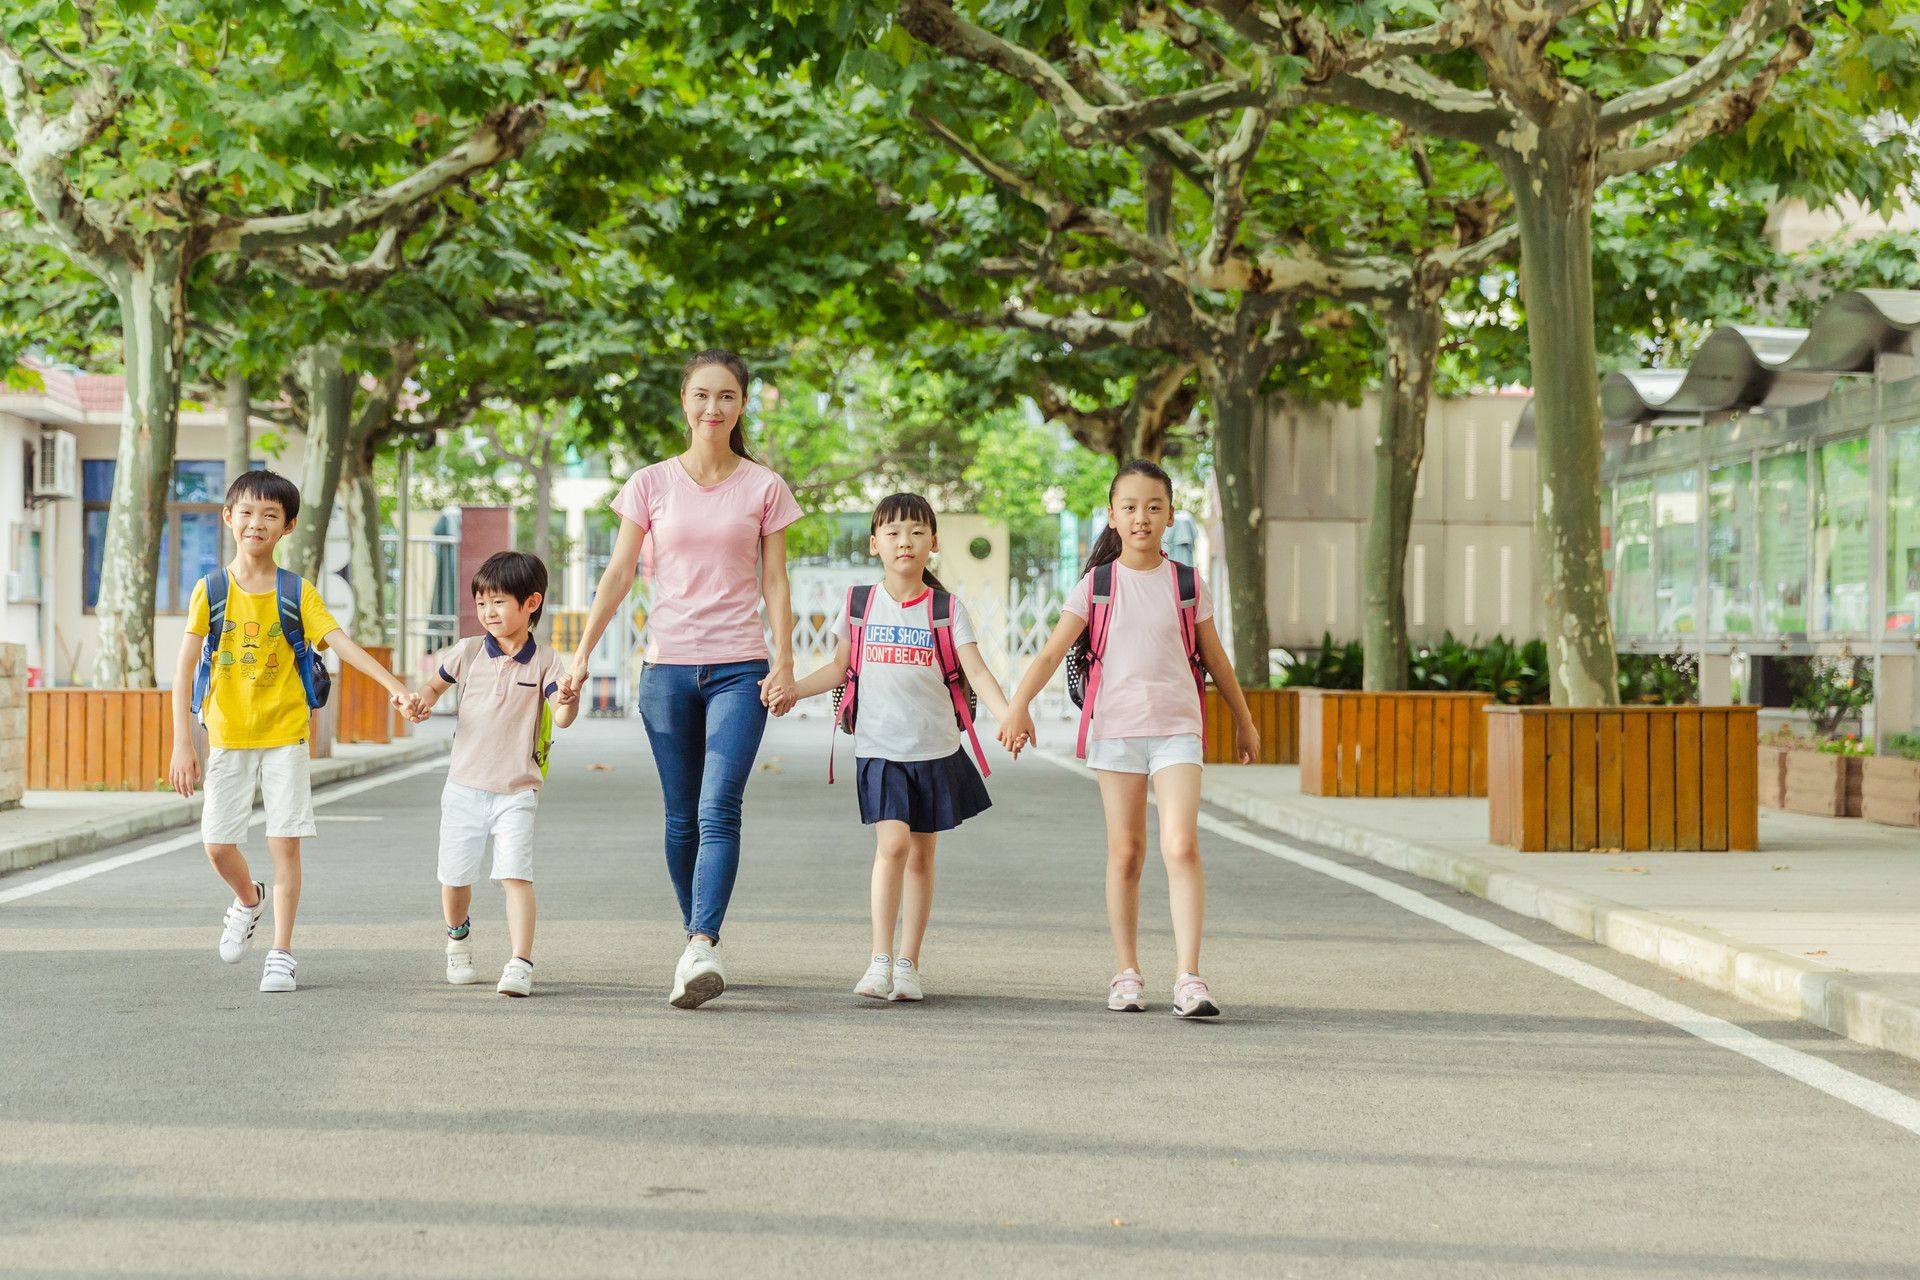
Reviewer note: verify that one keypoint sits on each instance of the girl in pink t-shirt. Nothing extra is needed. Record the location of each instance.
(1145, 725)
(713, 525)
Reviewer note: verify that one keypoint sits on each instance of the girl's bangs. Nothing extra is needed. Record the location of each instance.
(905, 506)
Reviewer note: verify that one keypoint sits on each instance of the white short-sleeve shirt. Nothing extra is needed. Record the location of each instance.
(905, 711)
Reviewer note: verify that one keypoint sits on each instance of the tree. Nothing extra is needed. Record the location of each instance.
(140, 159)
(1180, 241)
(1563, 97)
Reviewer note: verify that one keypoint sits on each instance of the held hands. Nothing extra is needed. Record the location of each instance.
(411, 705)
(1016, 731)
(776, 691)
(574, 681)
(183, 771)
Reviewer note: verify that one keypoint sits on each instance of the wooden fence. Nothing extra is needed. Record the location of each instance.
(1392, 744)
(366, 711)
(1625, 778)
(1276, 714)
(105, 739)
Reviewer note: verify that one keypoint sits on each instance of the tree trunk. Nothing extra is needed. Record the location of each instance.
(329, 423)
(543, 526)
(152, 301)
(366, 557)
(1412, 330)
(238, 400)
(1239, 443)
(1552, 189)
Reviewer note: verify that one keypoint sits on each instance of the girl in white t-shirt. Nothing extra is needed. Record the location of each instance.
(914, 777)
(1145, 720)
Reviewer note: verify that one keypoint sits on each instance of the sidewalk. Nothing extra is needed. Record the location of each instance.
(1823, 923)
(50, 825)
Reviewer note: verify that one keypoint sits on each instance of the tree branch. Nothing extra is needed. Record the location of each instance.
(1418, 100)
(1758, 20)
(503, 134)
(1722, 113)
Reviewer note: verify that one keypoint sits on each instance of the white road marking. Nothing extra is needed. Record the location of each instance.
(191, 839)
(1836, 1082)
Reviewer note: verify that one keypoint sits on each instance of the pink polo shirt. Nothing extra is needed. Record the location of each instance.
(702, 555)
(1146, 687)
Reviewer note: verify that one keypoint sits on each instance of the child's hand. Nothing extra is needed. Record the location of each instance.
(780, 700)
(564, 695)
(1249, 741)
(575, 680)
(422, 707)
(1016, 731)
(183, 771)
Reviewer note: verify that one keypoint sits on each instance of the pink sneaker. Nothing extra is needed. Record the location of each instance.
(1191, 999)
(1127, 993)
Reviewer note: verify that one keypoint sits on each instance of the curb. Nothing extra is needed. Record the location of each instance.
(1856, 1007)
(90, 837)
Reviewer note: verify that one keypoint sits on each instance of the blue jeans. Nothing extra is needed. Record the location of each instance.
(705, 724)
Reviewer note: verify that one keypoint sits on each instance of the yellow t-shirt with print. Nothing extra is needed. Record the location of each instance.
(255, 698)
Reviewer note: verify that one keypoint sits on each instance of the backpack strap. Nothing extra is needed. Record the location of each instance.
(215, 586)
(1099, 620)
(859, 600)
(287, 587)
(1186, 593)
(947, 654)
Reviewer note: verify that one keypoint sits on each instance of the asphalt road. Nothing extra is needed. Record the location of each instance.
(1384, 1097)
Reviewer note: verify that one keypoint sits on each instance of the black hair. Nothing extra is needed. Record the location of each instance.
(734, 365)
(907, 506)
(1106, 548)
(518, 574)
(265, 486)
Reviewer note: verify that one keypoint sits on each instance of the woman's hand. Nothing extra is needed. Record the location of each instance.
(1016, 731)
(776, 690)
(574, 680)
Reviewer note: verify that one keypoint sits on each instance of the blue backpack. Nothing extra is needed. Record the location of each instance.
(314, 676)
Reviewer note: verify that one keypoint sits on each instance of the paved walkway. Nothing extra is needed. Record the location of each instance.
(1407, 1083)
(50, 825)
(1823, 922)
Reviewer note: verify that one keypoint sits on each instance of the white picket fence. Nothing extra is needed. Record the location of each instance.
(1010, 631)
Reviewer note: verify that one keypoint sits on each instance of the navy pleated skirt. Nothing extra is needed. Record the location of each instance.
(927, 795)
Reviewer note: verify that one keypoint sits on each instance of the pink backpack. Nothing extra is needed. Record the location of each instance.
(846, 699)
(1083, 660)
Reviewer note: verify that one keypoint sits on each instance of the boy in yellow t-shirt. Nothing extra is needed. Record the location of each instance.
(254, 701)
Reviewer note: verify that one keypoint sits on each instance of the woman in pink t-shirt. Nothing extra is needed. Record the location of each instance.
(1145, 722)
(713, 525)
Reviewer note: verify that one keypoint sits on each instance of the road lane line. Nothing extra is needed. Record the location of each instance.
(192, 838)
(1815, 1072)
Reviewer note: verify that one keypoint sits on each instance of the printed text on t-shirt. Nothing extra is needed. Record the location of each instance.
(901, 646)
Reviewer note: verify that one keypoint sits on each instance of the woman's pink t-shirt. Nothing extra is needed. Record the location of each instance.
(1146, 686)
(702, 555)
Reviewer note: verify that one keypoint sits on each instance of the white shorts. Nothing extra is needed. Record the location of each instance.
(468, 816)
(1143, 755)
(281, 776)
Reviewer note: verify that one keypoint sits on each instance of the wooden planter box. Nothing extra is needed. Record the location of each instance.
(1890, 790)
(1625, 778)
(1393, 744)
(1824, 784)
(1276, 714)
(1771, 774)
(366, 712)
(98, 739)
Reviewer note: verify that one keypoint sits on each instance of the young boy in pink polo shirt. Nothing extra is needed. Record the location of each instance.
(510, 702)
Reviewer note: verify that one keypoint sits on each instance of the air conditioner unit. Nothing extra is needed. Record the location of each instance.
(56, 466)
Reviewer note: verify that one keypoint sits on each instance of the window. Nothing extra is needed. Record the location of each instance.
(1842, 549)
(1783, 544)
(1730, 556)
(1676, 556)
(1903, 531)
(1633, 558)
(189, 531)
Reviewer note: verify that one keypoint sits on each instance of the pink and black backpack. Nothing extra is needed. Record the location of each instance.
(1083, 659)
(846, 699)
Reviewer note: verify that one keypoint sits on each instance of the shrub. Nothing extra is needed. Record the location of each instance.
(1832, 691)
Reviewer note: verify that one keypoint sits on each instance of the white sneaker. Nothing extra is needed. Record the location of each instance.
(460, 962)
(698, 977)
(906, 981)
(517, 978)
(278, 975)
(236, 929)
(877, 983)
